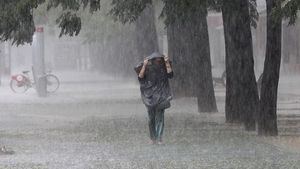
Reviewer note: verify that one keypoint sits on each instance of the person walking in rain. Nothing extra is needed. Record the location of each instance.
(154, 74)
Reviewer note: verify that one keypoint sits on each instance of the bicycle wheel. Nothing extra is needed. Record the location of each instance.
(52, 83)
(18, 87)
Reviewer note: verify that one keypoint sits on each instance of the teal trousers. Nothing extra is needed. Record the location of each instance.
(156, 123)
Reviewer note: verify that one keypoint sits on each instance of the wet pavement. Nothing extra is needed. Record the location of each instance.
(101, 123)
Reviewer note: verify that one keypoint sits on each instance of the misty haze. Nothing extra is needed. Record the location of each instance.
(152, 84)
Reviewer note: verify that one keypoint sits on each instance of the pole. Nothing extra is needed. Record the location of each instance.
(38, 62)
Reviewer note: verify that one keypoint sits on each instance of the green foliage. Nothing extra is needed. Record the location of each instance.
(16, 16)
(16, 20)
(69, 23)
(75, 5)
(17, 24)
(290, 10)
(287, 9)
(128, 10)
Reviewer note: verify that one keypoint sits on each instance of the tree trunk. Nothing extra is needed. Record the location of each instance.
(267, 123)
(241, 88)
(200, 54)
(2, 63)
(189, 46)
(176, 50)
(146, 36)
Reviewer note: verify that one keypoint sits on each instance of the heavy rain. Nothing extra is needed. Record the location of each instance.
(149, 84)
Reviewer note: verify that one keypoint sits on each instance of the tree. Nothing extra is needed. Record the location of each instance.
(289, 10)
(189, 46)
(181, 85)
(192, 41)
(16, 21)
(276, 10)
(241, 89)
(267, 124)
(201, 56)
(17, 24)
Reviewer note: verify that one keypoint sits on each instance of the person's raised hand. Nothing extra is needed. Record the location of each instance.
(146, 61)
(166, 58)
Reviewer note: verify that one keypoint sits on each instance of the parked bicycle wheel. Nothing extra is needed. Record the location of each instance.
(18, 87)
(52, 83)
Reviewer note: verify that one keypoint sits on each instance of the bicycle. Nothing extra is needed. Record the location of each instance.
(20, 83)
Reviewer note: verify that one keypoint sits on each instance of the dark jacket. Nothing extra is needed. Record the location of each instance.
(154, 87)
